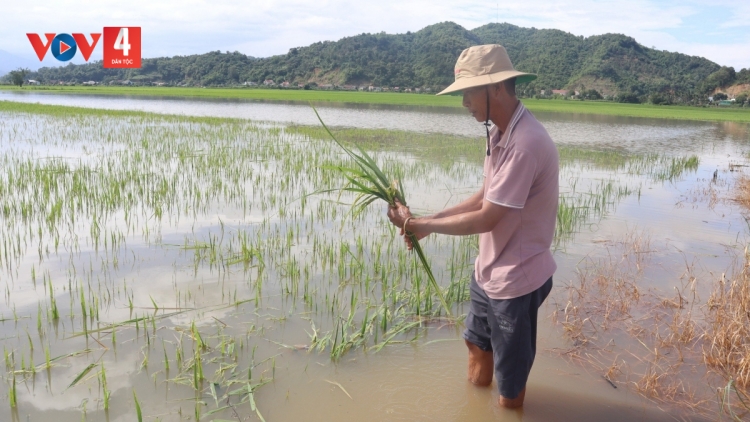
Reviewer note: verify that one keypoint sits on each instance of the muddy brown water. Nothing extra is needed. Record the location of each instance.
(422, 379)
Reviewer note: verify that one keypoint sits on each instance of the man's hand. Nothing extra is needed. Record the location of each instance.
(419, 235)
(398, 216)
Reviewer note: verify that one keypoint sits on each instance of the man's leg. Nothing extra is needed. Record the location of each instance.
(477, 337)
(513, 403)
(514, 326)
(480, 365)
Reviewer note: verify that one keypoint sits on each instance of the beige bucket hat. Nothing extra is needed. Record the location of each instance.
(484, 65)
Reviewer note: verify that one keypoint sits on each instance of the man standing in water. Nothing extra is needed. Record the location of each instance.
(514, 214)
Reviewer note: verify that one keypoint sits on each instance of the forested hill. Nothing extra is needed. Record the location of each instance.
(609, 63)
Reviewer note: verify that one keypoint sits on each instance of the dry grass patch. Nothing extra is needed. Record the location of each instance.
(605, 291)
(742, 191)
(664, 346)
(727, 337)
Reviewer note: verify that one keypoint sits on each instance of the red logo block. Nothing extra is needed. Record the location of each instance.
(122, 47)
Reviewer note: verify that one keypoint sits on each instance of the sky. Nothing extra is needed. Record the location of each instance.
(716, 29)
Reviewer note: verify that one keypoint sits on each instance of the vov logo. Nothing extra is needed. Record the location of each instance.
(64, 46)
(122, 46)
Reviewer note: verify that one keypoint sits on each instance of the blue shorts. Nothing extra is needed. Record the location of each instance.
(507, 328)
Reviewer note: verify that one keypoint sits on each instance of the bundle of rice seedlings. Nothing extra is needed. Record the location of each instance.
(369, 183)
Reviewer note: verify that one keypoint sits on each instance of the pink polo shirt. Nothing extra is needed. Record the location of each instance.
(521, 174)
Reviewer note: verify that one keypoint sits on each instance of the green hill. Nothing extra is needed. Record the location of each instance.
(610, 63)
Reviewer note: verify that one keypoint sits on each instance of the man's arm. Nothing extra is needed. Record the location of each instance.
(473, 203)
(470, 222)
(398, 214)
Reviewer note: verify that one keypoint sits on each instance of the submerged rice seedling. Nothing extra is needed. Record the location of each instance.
(105, 391)
(368, 182)
(81, 375)
(12, 393)
(138, 413)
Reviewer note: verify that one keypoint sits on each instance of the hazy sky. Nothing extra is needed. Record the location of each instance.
(716, 29)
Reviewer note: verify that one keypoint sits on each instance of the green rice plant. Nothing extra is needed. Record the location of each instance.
(83, 301)
(166, 358)
(251, 399)
(39, 320)
(12, 394)
(197, 370)
(105, 391)
(54, 313)
(138, 413)
(81, 375)
(368, 182)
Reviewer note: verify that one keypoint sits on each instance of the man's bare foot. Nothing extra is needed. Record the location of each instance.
(481, 365)
(512, 403)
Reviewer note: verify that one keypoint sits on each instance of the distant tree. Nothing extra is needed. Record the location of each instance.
(628, 97)
(571, 93)
(659, 99)
(721, 78)
(720, 96)
(591, 94)
(18, 76)
(234, 74)
(740, 99)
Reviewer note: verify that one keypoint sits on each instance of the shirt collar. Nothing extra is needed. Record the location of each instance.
(496, 139)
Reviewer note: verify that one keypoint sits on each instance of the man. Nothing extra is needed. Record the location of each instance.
(514, 214)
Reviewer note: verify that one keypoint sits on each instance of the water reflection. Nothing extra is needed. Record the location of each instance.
(626, 133)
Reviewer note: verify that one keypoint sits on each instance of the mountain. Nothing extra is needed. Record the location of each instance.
(10, 62)
(609, 63)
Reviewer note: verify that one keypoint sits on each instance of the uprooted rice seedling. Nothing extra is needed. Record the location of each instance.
(369, 183)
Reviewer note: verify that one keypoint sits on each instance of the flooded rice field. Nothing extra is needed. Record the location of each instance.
(173, 268)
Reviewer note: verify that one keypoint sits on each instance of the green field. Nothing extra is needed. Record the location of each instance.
(403, 99)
